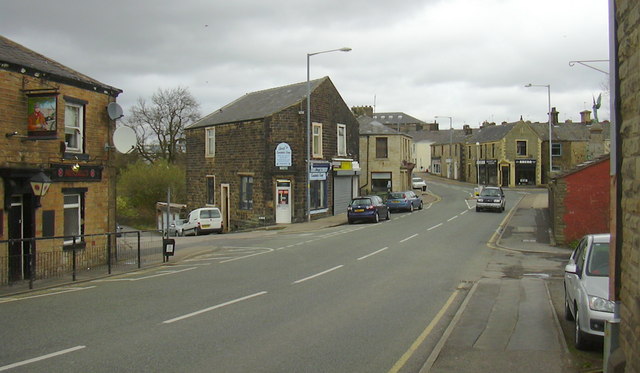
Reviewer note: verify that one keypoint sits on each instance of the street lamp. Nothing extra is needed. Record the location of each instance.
(308, 198)
(550, 140)
(450, 143)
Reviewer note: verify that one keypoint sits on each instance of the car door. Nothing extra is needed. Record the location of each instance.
(572, 280)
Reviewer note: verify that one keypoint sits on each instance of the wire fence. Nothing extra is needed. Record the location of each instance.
(78, 257)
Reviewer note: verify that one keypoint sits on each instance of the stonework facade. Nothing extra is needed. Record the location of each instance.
(66, 143)
(627, 14)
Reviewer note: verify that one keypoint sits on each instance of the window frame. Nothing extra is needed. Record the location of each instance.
(79, 205)
(382, 154)
(316, 140)
(556, 149)
(318, 194)
(210, 142)
(341, 139)
(518, 148)
(211, 189)
(246, 192)
(78, 128)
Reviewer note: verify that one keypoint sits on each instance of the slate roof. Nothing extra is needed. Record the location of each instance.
(396, 118)
(259, 104)
(569, 131)
(370, 126)
(15, 57)
(582, 166)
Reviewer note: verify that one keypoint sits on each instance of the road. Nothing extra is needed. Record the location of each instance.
(356, 298)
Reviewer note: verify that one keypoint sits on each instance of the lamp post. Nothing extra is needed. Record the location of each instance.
(550, 140)
(450, 160)
(308, 188)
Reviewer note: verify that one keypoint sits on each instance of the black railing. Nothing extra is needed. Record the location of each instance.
(77, 257)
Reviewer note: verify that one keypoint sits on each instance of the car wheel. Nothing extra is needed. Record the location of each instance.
(580, 338)
(376, 218)
(349, 221)
(420, 207)
(477, 209)
(411, 207)
(197, 231)
(388, 215)
(567, 310)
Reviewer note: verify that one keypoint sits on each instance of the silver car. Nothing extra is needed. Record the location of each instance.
(586, 289)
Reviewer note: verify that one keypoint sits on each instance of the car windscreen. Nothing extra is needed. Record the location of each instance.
(396, 196)
(208, 214)
(599, 260)
(490, 193)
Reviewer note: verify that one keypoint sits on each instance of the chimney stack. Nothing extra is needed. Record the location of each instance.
(585, 117)
(554, 116)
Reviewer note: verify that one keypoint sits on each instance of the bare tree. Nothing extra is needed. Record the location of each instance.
(159, 126)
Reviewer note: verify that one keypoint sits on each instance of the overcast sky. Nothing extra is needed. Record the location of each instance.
(467, 59)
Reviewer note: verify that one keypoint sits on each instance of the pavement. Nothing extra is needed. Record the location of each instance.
(506, 321)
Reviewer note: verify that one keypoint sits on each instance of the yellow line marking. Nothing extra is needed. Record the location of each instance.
(404, 358)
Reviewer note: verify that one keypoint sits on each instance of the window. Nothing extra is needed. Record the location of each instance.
(318, 194)
(211, 190)
(342, 139)
(74, 127)
(72, 217)
(210, 142)
(246, 193)
(381, 147)
(317, 140)
(521, 148)
(556, 149)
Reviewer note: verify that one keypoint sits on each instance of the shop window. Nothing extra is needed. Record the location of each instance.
(318, 194)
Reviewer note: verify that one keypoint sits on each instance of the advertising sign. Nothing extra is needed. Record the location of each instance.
(283, 155)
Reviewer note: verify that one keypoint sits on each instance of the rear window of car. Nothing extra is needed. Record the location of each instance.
(208, 214)
(396, 195)
(361, 201)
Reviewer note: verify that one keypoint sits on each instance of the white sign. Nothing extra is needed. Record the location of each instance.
(283, 155)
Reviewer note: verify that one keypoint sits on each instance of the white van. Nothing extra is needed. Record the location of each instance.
(203, 220)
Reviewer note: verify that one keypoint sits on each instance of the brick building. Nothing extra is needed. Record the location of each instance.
(579, 201)
(54, 126)
(249, 157)
(625, 274)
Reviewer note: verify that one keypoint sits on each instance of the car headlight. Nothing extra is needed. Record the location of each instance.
(600, 304)
(496, 201)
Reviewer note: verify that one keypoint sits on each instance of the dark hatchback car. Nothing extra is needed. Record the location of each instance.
(370, 208)
(491, 198)
(407, 201)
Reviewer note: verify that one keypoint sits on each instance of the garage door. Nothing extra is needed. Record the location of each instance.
(341, 193)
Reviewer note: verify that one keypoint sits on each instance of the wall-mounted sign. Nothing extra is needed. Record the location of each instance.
(41, 116)
(319, 170)
(525, 161)
(67, 172)
(283, 155)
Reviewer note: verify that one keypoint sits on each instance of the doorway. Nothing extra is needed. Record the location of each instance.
(20, 226)
(505, 176)
(224, 207)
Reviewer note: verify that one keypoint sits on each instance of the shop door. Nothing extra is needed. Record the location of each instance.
(283, 201)
(505, 176)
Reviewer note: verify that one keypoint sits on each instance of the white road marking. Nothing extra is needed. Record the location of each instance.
(214, 307)
(408, 238)
(373, 253)
(455, 217)
(62, 291)
(318, 274)
(40, 358)
(247, 256)
(435, 226)
(158, 274)
(464, 212)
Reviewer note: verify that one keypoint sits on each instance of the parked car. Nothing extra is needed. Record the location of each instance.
(491, 198)
(175, 228)
(407, 200)
(203, 220)
(586, 289)
(367, 208)
(418, 183)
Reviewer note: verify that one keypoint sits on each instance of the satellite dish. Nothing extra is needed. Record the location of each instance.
(115, 111)
(124, 139)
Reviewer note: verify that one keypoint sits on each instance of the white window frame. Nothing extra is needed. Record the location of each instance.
(317, 140)
(342, 140)
(75, 130)
(77, 205)
(210, 142)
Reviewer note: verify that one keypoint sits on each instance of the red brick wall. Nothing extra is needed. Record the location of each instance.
(586, 202)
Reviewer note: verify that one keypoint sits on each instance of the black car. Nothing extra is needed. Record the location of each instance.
(370, 208)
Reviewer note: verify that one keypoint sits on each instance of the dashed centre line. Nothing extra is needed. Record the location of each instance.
(318, 274)
(408, 238)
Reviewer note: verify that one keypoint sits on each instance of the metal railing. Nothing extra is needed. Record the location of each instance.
(77, 257)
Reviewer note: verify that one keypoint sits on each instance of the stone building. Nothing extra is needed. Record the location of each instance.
(55, 128)
(249, 157)
(625, 257)
(386, 158)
